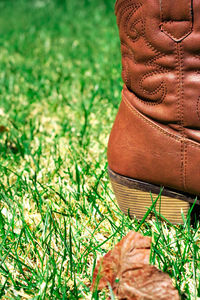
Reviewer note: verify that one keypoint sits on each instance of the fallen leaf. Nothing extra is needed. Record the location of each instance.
(126, 268)
(3, 129)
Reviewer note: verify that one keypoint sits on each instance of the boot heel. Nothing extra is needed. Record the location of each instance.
(134, 198)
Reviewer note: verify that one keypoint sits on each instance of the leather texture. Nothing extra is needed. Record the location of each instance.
(156, 134)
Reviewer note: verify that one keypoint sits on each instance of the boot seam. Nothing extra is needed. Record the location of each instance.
(180, 93)
(185, 164)
(197, 107)
(171, 135)
(192, 143)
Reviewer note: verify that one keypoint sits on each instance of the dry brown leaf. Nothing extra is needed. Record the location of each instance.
(3, 129)
(126, 267)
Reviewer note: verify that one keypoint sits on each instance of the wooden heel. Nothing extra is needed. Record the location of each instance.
(135, 197)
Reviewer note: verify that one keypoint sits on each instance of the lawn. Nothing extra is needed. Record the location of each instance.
(60, 86)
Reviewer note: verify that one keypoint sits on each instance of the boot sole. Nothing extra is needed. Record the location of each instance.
(136, 197)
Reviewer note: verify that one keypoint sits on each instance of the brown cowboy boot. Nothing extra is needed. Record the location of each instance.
(155, 140)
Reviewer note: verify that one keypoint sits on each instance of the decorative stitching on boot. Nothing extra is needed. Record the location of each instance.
(198, 107)
(128, 18)
(182, 164)
(125, 70)
(180, 109)
(133, 24)
(182, 84)
(180, 76)
(178, 84)
(160, 70)
(130, 5)
(118, 5)
(150, 62)
(162, 86)
(198, 99)
(125, 65)
(185, 165)
(126, 76)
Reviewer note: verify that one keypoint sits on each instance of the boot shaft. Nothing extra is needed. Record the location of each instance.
(160, 45)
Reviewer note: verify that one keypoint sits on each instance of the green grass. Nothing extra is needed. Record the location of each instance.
(60, 87)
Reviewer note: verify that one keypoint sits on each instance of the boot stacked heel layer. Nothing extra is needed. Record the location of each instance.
(136, 197)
